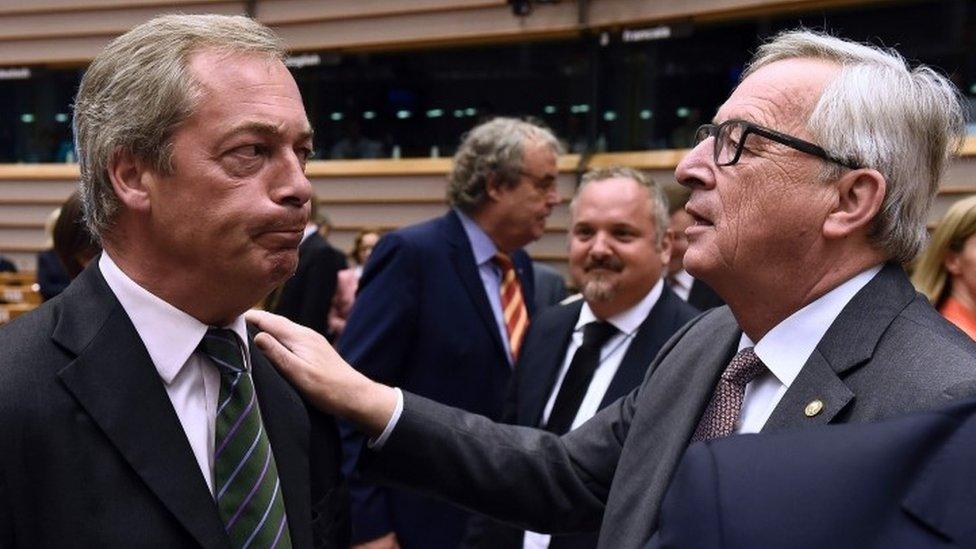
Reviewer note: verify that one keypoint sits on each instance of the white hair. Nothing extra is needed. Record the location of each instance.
(880, 113)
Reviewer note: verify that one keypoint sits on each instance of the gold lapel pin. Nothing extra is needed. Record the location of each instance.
(814, 408)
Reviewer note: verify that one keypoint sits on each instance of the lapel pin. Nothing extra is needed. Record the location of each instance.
(814, 408)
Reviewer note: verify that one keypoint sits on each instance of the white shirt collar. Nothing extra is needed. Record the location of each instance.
(310, 229)
(788, 346)
(684, 279)
(169, 334)
(627, 321)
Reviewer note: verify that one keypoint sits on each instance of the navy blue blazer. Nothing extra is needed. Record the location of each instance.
(422, 322)
(908, 483)
(538, 368)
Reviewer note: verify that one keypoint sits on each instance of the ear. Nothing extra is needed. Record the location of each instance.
(132, 180)
(860, 194)
(665, 248)
(951, 263)
(493, 187)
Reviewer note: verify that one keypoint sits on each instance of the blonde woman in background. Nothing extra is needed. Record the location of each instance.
(946, 271)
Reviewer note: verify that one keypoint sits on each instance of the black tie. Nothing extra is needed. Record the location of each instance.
(577, 379)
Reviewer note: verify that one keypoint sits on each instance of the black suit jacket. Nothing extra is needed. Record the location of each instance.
(307, 296)
(535, 376)
(93, 454)
(908, 483)
(703, 297)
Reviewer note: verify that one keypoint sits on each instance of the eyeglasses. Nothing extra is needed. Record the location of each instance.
(730, 137)
(543, 183)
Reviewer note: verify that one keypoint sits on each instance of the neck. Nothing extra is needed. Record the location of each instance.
(764, 299)
(494, 228)
(962, 294)
(188, 291)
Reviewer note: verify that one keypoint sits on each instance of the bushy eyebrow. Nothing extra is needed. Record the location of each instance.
(266, 129)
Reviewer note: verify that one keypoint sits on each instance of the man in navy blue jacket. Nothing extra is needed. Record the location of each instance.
(437, 316)
(907, 483)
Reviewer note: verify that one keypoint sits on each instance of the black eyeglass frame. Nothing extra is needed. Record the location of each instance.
(712, 130)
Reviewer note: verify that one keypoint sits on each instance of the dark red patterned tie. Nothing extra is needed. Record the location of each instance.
(723, 410)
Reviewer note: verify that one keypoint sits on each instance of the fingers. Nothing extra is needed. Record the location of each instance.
(278, 354)
(266, 322)
(282, 329)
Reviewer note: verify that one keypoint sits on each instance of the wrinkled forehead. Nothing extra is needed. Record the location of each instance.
(780, 95)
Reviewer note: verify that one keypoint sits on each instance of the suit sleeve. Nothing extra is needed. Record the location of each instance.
(690, 515)
(528, 477)
(377, 337)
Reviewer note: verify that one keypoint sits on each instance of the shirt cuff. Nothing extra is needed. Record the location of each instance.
(378, 442)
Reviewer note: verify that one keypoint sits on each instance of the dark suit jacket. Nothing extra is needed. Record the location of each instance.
(538, 368)
(703, 297)
(52, 277)
(908, 483)
(7, 266)
(95, 456)
(422, 322)
(307, 296)
(550, 286)
(889, 352)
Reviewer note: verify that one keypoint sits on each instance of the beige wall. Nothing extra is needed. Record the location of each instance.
(381, 193)
(73, 31)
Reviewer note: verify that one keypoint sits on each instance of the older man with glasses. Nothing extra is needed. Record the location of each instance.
(808, 193)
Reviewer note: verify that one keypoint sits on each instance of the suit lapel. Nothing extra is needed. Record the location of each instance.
(848, 343)
(114, 381)
(657, 328)
(944, 495)
(542, 362)
(467, 270)
(286, 422)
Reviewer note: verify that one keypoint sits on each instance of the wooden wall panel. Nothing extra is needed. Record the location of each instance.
(300, 11)
(96, 23)
(66, 31)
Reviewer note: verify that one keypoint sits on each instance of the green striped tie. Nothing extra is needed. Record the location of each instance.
(246, 483)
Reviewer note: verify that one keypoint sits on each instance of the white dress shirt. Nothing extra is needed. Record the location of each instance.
(787, 347)
(681, 284)
(611, 354)
(171, 337)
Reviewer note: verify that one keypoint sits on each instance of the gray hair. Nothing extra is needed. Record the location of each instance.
(492, 148)
(658, 200)
(138, 91)
(882, 114)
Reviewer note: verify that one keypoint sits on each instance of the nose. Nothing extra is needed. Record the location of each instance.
(293, 188)
(696, 169)
(552, 196)
(600, 247)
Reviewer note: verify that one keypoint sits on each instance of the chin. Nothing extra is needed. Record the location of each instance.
(599, 290)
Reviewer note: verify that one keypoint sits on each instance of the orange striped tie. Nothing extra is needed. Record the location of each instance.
(513, 304)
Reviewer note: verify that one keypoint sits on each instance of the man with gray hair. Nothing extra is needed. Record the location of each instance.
(443, 308)
(808, 189)
(134, 411)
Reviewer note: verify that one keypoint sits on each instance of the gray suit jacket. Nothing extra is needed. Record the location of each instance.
(889, 352)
